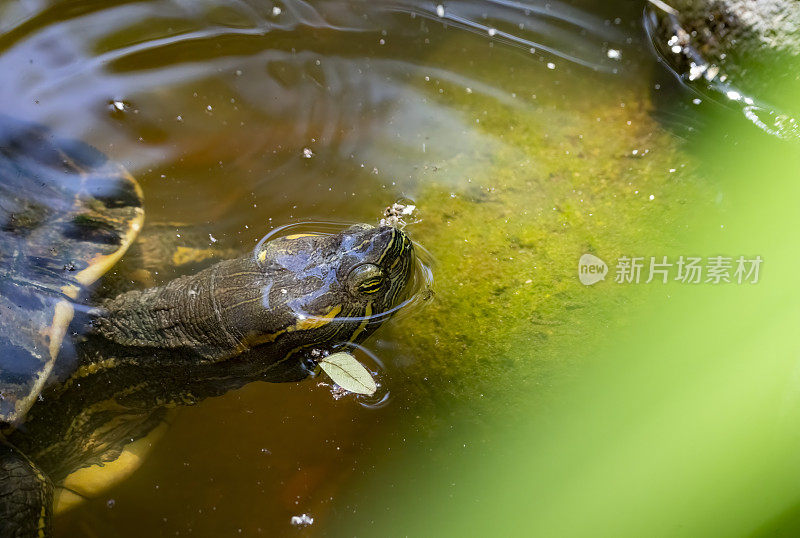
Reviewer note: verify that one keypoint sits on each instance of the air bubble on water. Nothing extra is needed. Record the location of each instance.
(614, 54)
(276, 11)
(307, 153)
(492, 32)
(551, 65)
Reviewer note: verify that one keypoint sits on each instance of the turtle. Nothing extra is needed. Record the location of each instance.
(85, 384)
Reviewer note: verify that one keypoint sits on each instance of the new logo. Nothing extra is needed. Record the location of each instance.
(591, 269)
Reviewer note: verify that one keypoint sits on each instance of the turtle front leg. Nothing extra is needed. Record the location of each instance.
(26, 496)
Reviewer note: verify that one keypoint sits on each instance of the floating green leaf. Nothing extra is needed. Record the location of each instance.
(348, 373)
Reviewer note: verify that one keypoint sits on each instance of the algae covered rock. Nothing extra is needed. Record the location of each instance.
(552, 172)
(741, 52)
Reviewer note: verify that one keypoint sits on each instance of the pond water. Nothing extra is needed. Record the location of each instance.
(526, 132)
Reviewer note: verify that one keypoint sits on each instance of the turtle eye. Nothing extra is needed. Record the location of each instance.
(366, 279)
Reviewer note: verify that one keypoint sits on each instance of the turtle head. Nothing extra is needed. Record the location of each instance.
(259, 316)
(321, 290)
(291, 294)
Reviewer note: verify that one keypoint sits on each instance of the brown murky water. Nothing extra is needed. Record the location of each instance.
(242, 116)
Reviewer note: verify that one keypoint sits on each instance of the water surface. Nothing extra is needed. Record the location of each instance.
(524, 130)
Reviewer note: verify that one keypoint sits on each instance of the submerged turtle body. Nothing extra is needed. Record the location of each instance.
(71, 400)
(67, 214)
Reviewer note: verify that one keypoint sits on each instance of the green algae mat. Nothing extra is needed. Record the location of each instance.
(549, 172)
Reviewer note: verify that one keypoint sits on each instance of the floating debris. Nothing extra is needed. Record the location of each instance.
(395, 215)
(303, 520)
(336, 391)
(118, 107)
(345, 370)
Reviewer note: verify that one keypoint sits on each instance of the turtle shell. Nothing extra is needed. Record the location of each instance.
(67, 214)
